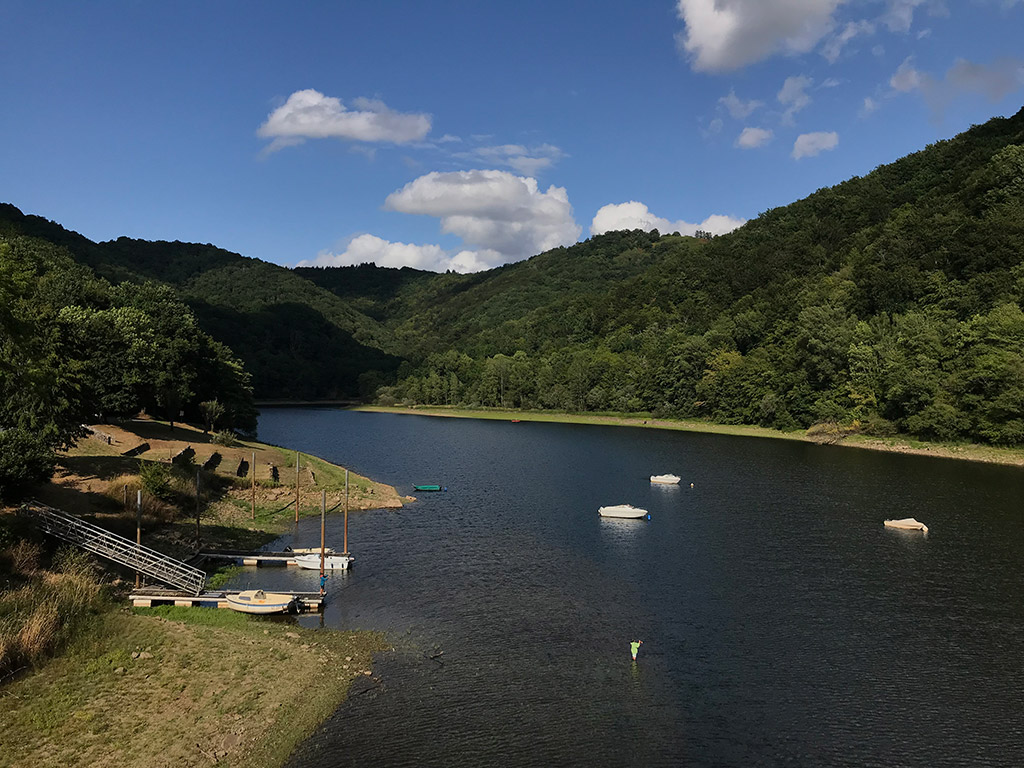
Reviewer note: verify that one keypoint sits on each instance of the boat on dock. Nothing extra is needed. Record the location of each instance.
(665, 479)
(625, 511)
(330, 562)
(907, 524)
(260, 602)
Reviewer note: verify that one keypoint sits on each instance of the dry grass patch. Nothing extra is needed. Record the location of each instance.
(183, 687)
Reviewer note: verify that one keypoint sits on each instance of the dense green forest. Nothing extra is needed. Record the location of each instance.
(297, 340)
(889, 302)
(75, 349)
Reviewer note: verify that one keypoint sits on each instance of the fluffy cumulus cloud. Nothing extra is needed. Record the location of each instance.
(370, 249)
(725, 35)
(528, 161)
(310, 114)
(751, 138)
(811, 144)
(635, 215)
(503, 216)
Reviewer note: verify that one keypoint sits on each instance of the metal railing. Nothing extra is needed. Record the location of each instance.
(102, 542)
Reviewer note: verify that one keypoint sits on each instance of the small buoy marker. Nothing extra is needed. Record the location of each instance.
(634, 647)
(691, 485)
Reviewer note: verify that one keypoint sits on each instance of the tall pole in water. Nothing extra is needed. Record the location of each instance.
(252, 469)
(296, 486)
(346, 512)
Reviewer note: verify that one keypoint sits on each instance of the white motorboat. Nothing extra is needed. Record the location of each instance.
(623, 511)
(258, 601)
(665, 479)
(331, 562)
(907, 524)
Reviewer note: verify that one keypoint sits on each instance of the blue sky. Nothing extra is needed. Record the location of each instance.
(462, 135)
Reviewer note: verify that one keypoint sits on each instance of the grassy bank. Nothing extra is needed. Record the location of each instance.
(897, 444)
(84, 681)
(181, 686)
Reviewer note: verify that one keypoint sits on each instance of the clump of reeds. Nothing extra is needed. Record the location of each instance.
(50, 606)
(127, 487)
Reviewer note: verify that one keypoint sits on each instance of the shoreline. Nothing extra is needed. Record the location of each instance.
(897, 444)
(258, 719)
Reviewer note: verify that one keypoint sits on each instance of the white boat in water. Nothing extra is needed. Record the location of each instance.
(907, 524)
(665, 479)
(331, 562)
(624, 511)
(258, 601)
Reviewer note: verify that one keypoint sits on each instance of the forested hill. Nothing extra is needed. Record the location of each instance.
(891, 301)
(297, 340)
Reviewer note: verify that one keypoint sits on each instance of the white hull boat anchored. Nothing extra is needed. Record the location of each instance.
(623, 511)
(907, 524)
(331, 562)
(258, 601)
(665, 479)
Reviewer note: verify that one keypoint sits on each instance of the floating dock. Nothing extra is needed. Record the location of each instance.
(260, 559)
(306, 602)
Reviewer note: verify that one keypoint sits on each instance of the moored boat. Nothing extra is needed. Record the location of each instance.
(907, 524)
(623, 511)
(427, 488)
(665, 479)
(331, 562)
(258, 601)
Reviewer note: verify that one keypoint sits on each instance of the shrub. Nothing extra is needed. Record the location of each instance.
(225, 437)
(156, 479)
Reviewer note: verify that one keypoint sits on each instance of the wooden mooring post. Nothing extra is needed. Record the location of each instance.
(252, 468)
(138, 527)
(198, 534)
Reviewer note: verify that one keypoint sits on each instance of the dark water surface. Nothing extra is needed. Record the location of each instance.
(783, 625)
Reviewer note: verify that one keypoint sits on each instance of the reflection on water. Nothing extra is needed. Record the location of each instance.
(783, 624)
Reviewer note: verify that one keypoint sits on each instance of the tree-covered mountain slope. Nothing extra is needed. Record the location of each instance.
(298, 340)
(891, 299)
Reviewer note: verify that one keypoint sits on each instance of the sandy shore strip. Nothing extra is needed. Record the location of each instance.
(900, 444)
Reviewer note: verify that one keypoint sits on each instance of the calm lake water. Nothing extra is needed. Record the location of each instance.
(783, 625)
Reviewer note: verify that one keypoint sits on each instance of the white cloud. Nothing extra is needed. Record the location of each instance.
(869, 106)
(529, 161)
(370, 249)
(833, 48)
(831, 83)
(995, 81)
(448, 138)
(793, 95)
(811, 144)
(309, 114)
(900, 14)
(635, 215)
(905, 78)
(738, 108)
(725, 35)
(751, 138)
(505, 216)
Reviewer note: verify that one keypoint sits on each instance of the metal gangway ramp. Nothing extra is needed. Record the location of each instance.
(154, 564)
